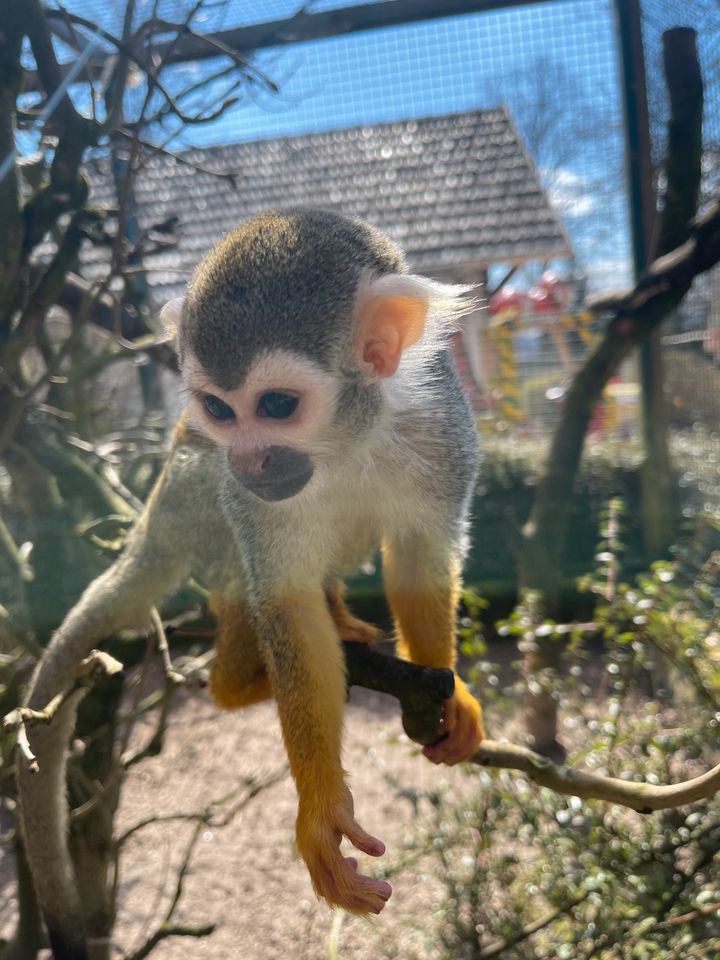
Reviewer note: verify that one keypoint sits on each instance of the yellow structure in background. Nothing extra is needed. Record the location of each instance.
(506, 311)
(505, 384)
(525, 387)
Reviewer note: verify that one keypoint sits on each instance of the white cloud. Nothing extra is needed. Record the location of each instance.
(569, 193)
(613, 273)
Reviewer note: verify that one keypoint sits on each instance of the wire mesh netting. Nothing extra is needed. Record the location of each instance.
(691, 338)
(554, 68)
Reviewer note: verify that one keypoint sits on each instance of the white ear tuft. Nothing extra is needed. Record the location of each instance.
(446, 303)
(403, 319)
(170, 317)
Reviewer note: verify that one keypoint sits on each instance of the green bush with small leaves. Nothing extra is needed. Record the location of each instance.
(531, 874)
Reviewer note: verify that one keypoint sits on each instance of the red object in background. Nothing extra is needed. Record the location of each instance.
(507, 304)
(551, 294)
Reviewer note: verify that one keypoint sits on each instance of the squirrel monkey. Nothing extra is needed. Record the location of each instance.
(320, 370)
(325, 418)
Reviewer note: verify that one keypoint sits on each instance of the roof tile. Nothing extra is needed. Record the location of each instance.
(454, 189)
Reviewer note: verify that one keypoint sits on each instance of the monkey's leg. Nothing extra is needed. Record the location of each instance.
(348, 626)
(238, 676)
(423, 587)
(307, 671)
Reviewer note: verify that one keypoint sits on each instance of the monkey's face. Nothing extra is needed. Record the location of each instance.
(289, 326)
(273, 425)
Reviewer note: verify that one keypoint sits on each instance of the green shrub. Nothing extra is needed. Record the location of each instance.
(531, 874)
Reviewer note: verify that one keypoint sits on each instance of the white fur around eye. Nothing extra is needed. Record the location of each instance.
(284, 369)
(279, 370)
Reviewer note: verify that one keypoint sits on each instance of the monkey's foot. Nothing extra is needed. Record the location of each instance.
(320, 828)
(352, 628)
(229, 693)
(461, 729)
(348, 626)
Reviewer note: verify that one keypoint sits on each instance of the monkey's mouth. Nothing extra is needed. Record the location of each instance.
(277, 474)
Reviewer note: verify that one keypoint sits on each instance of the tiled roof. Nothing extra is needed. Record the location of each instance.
(454, 191)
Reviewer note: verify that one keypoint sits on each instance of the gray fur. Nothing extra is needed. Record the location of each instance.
(399, 463)
(286, 279)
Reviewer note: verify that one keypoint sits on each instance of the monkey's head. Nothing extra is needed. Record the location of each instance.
(288, 330)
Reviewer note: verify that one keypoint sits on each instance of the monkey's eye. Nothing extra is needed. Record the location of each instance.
(217, 408)
(277, 405)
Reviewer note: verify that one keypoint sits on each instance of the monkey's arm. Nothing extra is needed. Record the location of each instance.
(422, 581)
(306, 669)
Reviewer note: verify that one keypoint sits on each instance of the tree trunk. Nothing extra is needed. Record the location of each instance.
(542, 544)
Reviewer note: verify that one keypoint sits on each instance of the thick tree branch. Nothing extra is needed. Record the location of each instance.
(642, 797)
(421, 692)
(97, 664)
(668, 278)
(684, 149)
(634, 315)
(49, 71)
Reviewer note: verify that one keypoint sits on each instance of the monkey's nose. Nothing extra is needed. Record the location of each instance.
(273, 473)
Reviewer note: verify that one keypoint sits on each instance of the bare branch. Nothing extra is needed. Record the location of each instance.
(202, 819)
(169, 930)
(422, 689)
(642, 797)
(172, 676)
(47, 66)
(153, 149)
(497, 949)
(667, 278)
(216, 44)
(97, 664)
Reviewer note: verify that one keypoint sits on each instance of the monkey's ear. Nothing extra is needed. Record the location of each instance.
(170, 317)
(390, 317)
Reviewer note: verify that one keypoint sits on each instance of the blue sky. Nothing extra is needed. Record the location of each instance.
(554, 65)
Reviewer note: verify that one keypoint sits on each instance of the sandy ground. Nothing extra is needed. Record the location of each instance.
(244, 876)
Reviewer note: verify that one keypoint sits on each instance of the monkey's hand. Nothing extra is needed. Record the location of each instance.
(460, 728)
(321, 825)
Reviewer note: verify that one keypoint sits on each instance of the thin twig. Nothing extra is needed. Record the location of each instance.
(97, 664)
(497, 948)
(172, 676)
(169, 930)
(642, 797)
(155, 149)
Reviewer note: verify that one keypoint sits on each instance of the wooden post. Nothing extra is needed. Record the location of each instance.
(657, 495)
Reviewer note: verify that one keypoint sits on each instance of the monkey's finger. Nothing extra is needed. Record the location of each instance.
(460, 743)
(337, 880)
(370, 893)
(453, 749)
(361, 838)
(462, 726)
(380, 888)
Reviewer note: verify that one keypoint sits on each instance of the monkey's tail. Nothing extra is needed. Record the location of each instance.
(111, 602)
